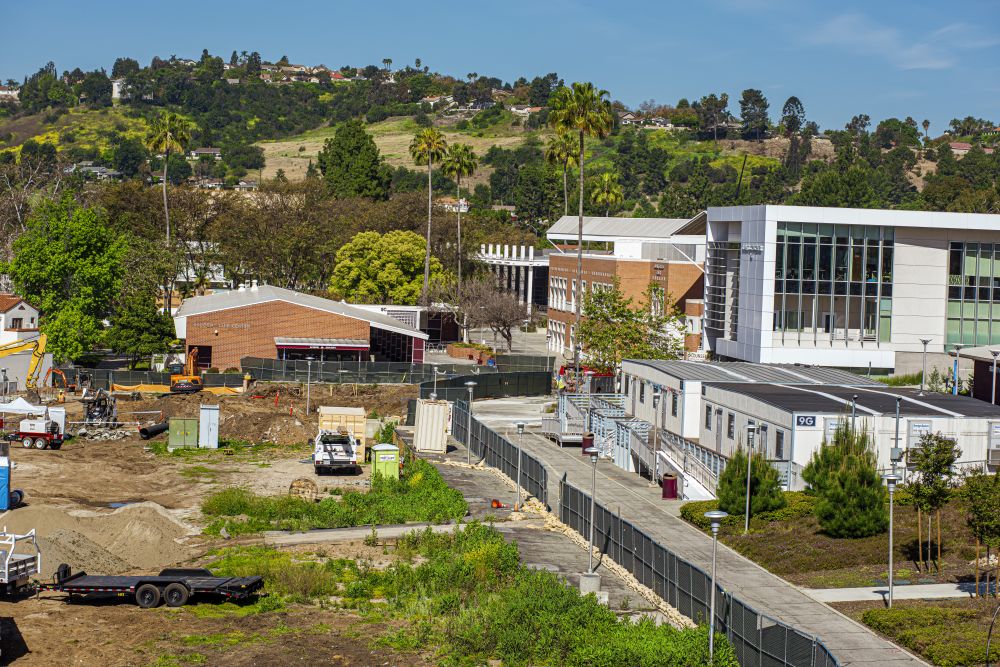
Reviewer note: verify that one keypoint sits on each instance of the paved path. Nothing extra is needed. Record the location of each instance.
(908, 592)
(633, 498)
(286, 537)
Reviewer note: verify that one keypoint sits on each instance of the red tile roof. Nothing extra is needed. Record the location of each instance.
(8, 301)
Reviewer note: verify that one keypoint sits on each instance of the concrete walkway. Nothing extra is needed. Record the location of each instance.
(637, 501)
(907, 592)
(330, 535)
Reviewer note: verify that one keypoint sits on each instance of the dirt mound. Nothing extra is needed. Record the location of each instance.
(143, 536)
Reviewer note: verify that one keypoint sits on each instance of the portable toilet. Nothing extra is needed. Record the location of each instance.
(5, 479)
(208, 427)
(385, 460)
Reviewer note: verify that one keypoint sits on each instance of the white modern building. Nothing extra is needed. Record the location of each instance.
(852, 288)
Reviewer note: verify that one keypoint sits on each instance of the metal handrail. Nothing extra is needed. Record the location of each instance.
(690, 465)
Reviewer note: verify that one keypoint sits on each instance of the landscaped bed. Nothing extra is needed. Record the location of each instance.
(948, 633)
(790, 543)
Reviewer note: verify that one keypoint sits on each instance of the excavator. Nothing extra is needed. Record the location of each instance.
(186, 380)
(37, 348)
(55, 372)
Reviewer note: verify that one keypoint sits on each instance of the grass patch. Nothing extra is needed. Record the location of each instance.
(262, 605)
(466, 595)
(905, 380)
(420, 494)
(949, 634)
(790, 543)
(230, 449)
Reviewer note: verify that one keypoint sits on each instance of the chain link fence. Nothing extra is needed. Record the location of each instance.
(381, 372)
(490, 385)
(103, 378)
(758, 639)
(499, 452)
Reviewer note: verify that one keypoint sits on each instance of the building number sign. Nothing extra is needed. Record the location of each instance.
(805, 420)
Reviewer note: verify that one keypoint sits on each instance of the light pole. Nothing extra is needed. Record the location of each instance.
(520, 441)
(751, 430)
(434, 394)
(468, 426)
(923, 372)
(854, 411)
(895, 444)
(958, 366)
(890, 482)
(716, 517)
(593, 451)
(309, 363)
(993, 383)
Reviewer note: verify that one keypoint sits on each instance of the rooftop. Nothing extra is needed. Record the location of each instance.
(837, 399)
(250, 296)
(856, 216)
(745, 372)
(614, 229)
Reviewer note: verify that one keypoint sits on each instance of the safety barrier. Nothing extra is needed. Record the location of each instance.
(380, 372)
(490, 385)
(757, 639)
(499, 452)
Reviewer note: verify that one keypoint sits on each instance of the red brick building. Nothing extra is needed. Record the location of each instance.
(274, 323)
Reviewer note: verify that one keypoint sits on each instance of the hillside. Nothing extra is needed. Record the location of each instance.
(76, 128)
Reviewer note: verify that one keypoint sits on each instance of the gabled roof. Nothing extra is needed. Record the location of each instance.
(614, 229)
(252, 296)
(8, 301)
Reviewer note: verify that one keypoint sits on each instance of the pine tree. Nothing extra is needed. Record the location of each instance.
(765, 486)
(851, 499)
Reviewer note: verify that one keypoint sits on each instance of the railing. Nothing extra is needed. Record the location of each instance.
(757, 639)
(689, 465)
(499, 452)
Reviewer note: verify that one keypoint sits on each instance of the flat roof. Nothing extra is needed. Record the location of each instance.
(614, 229)
(856, 216)
(252, 296)
(741, 371)
(836, 400)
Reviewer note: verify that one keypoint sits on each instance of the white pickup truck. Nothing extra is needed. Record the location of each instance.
(335, 450)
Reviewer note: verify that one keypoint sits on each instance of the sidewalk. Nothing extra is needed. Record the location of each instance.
(907, 592)
(637, 501)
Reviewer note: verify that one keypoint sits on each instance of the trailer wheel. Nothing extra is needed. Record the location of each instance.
(27, 442)
(41, 443)
(176, 595)
(147, 596)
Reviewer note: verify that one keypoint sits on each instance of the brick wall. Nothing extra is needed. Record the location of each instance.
(250, 331)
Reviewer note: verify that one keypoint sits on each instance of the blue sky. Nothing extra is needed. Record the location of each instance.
(888, 58)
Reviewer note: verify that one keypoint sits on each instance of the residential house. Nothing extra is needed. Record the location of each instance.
(453, 205)
(213, 152)
(245, 186)
(523, 110)
(89, 170)
(628, 118)
(232, 82)
(8, 93)
(18, 319)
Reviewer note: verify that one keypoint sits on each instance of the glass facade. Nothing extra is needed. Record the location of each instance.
(833, 282)
(973, 294)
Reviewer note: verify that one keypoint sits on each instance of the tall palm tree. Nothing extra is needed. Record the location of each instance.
(460, 162)
(561, 150)
(586, 111)
(427, 146)
(608, 192)
(169, 132)
(927, 127)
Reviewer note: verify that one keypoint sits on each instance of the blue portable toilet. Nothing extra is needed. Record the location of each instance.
(4, 480)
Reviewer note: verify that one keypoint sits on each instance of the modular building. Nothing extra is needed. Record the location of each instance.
(790, 422)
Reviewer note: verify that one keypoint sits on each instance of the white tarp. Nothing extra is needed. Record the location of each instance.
(21, 407)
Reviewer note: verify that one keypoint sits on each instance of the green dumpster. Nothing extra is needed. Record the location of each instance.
(183, 433)
(385, 460)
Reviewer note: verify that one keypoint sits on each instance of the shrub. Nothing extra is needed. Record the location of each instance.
(797, 505)
(851, 498)
(765, 487)
(948, 636)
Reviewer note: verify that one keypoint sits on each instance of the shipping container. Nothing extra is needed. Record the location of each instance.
(431, 427)
(355, 420)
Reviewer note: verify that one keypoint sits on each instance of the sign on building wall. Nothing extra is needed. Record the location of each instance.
(805, 420)
(830, 427)
(994, 435)
(917, 430)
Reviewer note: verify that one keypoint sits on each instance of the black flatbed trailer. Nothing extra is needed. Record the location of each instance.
(173, 586)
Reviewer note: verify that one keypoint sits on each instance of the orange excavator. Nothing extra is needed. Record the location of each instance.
(54, 372)
(186, 380)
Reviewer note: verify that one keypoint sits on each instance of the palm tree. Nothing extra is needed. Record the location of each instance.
(608, 192)
(927, 126)
(586, 111)
(427, 146)
(387, 62)
(561, 150)
(458, 163)
(169, 132)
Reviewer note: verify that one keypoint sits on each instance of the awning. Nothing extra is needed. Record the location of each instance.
(349, 344)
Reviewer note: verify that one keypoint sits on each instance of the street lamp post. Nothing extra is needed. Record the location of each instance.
(854, 411)
(751, 430)
(468, 425)
(923, 372)
(897, 453)
(993, 382)
(890, 482)
(958, 366)
(309, 362)
(520, 441)
(434, 392)
(716, 517)
(593, 452)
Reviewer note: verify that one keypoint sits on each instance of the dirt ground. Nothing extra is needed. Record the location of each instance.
(119, 507)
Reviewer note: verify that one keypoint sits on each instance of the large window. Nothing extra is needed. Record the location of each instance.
(973, 294)
(673, 404)
(731, 426)
(833, 282)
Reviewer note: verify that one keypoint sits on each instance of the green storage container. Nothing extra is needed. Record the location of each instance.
(183, 433)
(385, 460)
